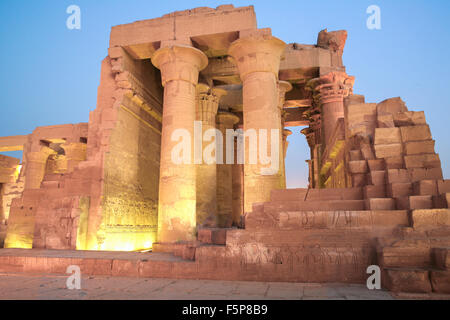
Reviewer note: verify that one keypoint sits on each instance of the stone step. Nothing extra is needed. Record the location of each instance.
(430, 218)
(380, 204)
(402, 257)
(328, 205)
(317, 194)
(216, 236)
(408, 280)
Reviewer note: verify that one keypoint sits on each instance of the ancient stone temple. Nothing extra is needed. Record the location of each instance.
(376, 192)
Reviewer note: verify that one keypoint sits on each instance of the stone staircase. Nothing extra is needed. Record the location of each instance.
(417, 259)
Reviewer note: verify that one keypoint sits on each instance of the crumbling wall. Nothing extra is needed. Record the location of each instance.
(391, 156)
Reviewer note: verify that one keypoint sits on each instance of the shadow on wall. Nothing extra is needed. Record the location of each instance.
(297, 154)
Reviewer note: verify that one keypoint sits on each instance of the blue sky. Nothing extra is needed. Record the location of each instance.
(49, 74)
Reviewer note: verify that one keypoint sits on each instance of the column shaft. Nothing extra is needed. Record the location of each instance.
(180, 66)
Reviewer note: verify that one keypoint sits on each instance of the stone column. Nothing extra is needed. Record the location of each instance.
(333, 88)
(36, 163)
(283, 88)
(225, 120)
(238, 187)
(286, 133)
(258, 56)
(180, 66)
(207, 106)
(75, 153)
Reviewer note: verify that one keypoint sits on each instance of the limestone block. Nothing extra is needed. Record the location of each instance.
(409, 118)
(402, 203)
(359, 166)
(429, 218)
(355, 155)
(361, 119)
(425, 188)
(420, 202)
(359, 179)
(385, 121)
(367, 152)
(443, 186)
(380, 204)
(408, 280)
(417, 174)
(397, 190)
(440, 201)
(398, 176)
(419, 147)
(388, 150)
(391, 106)
(423, 161)
(377, 177)
(395, 162)
(376, 165)
(378, 191)
(387, 136)
(440, 281)
(415, 133)
(441, 257)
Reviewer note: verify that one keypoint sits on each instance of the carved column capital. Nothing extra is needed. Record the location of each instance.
(258, 52)
(332, 87)
(228, 119)
(208, 103)
(283, 88)
(179, 62)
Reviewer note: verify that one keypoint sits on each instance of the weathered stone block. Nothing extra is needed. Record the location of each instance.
(395, 162)
(402, 203)
(417, 174)
(367, 152)
(441, 257)
(380, 204)
(423, 161)
(425, 188)
(443, 186)
(440, 281)
(359, 179)
(355, 155)
(391, 106)
(431, 218)
(378, 191)
(359, 166)
(419, 147)
(420, 202)
(387, 136)
(416, 133)
(397, 190)
(388, 150)
(377, 177)
(398, 176)
(409, 118)
(385, 121)
(376, 165)
(408, 280)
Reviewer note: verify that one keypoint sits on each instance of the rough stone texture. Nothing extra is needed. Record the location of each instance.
(112, 184)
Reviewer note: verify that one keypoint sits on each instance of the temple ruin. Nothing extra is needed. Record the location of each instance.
(376, 192)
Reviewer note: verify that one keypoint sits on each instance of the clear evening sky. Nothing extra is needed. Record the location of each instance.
(49, 74)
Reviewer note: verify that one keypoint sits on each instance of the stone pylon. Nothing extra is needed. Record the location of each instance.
(258, 54)
(180, 66)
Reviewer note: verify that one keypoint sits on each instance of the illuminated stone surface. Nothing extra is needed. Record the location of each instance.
(376, 191)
